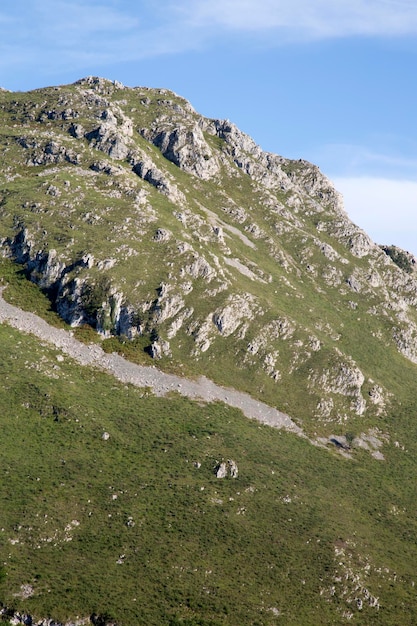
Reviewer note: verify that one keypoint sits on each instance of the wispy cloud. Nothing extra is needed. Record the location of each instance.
(354, 161)
(62, 33)
(69, 31)
(65, 23)
(306, 18)
(385, 209)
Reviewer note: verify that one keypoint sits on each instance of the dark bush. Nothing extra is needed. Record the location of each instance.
(94, 294)
(399, 257)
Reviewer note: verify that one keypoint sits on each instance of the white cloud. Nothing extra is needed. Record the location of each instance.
(395, 161)
(75, 33)
(307, 18)
(385, 209)
(71, 31)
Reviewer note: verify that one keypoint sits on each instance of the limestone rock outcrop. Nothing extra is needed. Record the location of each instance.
(146, 220)
(227, 468)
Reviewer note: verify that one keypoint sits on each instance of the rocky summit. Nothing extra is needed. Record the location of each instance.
(183, 245)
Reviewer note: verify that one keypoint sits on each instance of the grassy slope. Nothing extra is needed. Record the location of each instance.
(216, 552)
(219, 551)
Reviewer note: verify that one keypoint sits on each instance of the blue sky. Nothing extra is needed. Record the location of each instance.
(330, 81)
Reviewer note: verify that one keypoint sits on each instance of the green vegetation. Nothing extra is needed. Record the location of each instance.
(400, 258)
(25, 294)
(94, 295)
(256, 279)
(98, 302)
(132, 528)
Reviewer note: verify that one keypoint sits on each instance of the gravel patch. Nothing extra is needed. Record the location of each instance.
(142, 376)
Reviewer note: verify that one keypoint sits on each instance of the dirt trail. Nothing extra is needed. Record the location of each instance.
(142, 376)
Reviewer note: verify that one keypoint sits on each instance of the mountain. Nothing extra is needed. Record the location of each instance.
(176, 242)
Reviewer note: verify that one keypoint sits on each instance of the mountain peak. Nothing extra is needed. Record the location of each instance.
(144, 219)
(236, 276)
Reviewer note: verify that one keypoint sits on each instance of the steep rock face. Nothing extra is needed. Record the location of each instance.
(146, 169)
(263, 167)
(112, 135)
(46, 152)
(142, 218)
(343, 378)
(187, 148)
(238, 309)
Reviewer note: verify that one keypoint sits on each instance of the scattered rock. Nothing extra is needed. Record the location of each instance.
(162, 235)
(159, 349)
(239, 308)
(26, 591)
(225, 469)
(221, 470)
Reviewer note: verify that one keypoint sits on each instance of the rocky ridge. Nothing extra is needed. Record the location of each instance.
(248, 249)
(186, 246)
